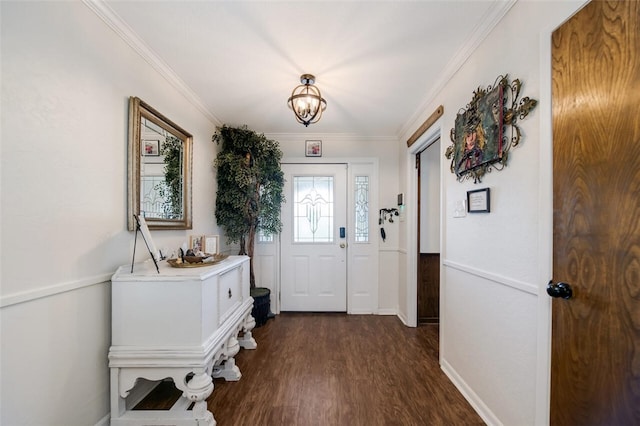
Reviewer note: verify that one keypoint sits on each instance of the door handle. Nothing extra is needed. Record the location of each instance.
(559, 290)
(342, 245)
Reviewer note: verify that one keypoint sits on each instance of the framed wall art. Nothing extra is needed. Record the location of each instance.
(151, 148)
(486, 129)
(478, 132)
(313, 149)
(479, 201)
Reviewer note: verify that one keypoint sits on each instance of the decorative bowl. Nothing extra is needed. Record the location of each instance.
(211, 259)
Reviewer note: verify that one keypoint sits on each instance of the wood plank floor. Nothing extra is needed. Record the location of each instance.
(337, 369)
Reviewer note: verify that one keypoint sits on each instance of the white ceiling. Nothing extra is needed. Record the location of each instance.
(377, 63)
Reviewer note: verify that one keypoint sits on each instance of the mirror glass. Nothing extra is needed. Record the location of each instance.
(159, 169)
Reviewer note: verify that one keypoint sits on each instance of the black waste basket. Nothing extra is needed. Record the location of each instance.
(261, 311)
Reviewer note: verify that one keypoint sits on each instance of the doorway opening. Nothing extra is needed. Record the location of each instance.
(428, 224)
(427, 143)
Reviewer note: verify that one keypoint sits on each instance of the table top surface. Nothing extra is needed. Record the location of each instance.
(146, 271)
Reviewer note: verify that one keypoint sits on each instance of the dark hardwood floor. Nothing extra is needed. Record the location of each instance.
(337, 369)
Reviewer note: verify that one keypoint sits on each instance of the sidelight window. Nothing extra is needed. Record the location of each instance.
(361, 198)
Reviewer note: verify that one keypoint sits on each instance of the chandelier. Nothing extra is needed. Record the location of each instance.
(306, 101)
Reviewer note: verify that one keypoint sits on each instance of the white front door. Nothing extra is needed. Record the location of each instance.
(313, 239)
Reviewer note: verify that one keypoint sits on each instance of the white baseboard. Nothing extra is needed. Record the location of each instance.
(476, 402)
(104, 421)
(403, 318)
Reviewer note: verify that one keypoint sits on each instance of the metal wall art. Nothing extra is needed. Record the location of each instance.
(487, 128)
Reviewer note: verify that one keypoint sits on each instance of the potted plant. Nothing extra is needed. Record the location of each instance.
(249, 196)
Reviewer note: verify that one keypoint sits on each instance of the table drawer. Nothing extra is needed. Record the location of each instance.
(229, 292)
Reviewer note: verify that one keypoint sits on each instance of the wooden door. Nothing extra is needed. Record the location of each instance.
(313, 249)
(429, 288)
(595, 371)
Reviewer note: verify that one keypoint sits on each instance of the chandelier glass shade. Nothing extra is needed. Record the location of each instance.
(306, 101)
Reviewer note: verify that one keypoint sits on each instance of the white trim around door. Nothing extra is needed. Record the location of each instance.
(362, 256)
(410, 317)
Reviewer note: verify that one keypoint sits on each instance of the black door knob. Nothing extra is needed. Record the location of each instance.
(559, 290)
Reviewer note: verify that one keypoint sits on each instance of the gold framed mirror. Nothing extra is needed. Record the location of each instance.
(159, 175)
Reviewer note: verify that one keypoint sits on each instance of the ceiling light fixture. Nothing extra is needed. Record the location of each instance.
(306, 101)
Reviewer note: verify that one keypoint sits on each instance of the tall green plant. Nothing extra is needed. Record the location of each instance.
(250, 183)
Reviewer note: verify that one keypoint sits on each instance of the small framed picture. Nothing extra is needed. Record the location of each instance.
(144, 229)
(313, 149)
(151, 148)
(478, 201)
(196, 243)
(211, 244)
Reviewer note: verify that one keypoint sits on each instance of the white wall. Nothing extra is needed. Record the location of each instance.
(430, 198)
(490, 283)
(66, 80)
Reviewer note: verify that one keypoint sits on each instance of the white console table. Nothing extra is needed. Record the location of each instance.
(186, 324)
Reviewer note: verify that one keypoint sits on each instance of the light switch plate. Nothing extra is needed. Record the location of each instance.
(460, 209)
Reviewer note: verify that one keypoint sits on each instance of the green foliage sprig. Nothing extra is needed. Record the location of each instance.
(171, 191)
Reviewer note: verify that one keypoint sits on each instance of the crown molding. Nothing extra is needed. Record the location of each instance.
(486, 24)
(330, 136)
(115, 22)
